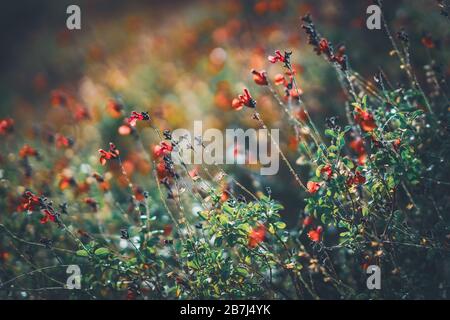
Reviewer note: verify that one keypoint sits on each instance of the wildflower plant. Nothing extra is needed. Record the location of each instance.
(143, 224)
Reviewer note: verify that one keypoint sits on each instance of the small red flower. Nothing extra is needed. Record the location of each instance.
(113, 153)
(308, 221)
(428, 41)
(163, 149)
(62, 142)
(280, 80)
(365, 119)
(243, 100)
(58, 98)
(48, 216)
(396, 144)
(6, 126)
(256, 236)
(260, 77)
(91, 203)
(66, 182)
(327, 171)
(28, 151)
(277, 57)
(30, 202)
(161, 170)
(358, 146)
(324, 46)
(114, 108)
(313, 186)
(81, 113)
(315, 234)
(358, 178)
(137, 116)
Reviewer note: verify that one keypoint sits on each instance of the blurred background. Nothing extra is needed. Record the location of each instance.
(184, 61)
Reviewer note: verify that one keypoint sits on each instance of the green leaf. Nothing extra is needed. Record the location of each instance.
(101, 252)
(330, 133)
(242, 271)
(82, 253)
(280, 225)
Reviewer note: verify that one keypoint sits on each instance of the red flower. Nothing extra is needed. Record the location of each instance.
(365, 119)
(58, 98)
(6, 126)
(256, 236)
(324, 46)
(279, 79)
(137, 116)
(81, 113)
(113, 153)
(62, 141)
(30, 202)
(327, 171)
(315, 234)
(396, 144)
(164, 148)
(313, 187)
(308, 221)
(161, 170)
(114, 108)
(66, 182)
(358, 178)
(358, 146)
(260, 77)
(28, 151)
(48, 216)
(428, 41)
(91, 203)
(278, 57)
(243, 100)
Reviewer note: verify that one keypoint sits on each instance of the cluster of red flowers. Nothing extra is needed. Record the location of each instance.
(278, 57)
(365, 119)
(30, 202)
(313, 186)
(314, 234)
(162, 149)
(322, 45)
(113, 153)
(62, 141)
(137, 116)
(164, 167)
(243, 100)
(6, 126)
(27, 151)
(48, 216)
(114, 108)
(59, 98)
(357, 145)
(356, 178)
(256, 236)
(92, 203)
(260, 77)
